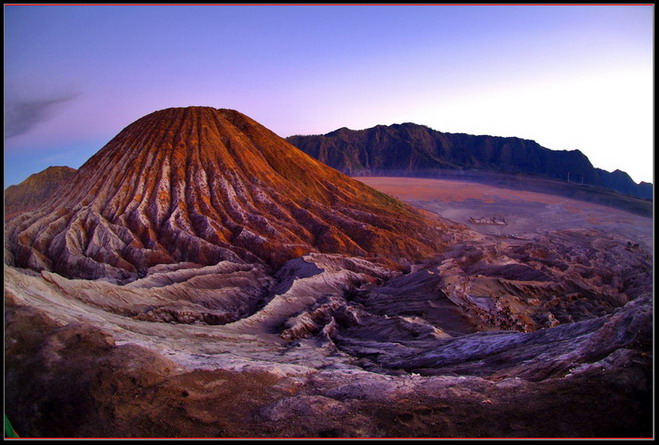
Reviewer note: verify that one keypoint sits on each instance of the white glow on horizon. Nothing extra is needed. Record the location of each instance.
(605, 116)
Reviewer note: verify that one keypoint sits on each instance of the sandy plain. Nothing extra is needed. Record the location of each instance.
(525, 212)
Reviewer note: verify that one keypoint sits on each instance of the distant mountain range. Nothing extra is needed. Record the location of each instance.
(406, 149)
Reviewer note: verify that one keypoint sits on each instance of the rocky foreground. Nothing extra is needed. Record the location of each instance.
(481, 346)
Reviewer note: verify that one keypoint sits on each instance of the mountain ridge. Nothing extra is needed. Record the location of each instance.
(411, 147)
(35, 190)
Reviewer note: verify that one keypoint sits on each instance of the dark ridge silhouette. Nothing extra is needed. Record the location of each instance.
(410, 148)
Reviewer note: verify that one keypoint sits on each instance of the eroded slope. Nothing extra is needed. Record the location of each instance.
(203, 185)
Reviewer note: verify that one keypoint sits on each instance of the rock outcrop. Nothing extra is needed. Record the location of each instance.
(203, 185)
(411, 149)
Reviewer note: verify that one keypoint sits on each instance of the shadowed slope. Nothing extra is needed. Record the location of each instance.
(35, 190)
(204, 185)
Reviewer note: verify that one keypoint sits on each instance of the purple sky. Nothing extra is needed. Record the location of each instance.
(569, 77)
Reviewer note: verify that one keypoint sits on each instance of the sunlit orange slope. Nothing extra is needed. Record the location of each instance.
(202, 185)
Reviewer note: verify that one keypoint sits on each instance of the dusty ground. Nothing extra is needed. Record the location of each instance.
(526, 212)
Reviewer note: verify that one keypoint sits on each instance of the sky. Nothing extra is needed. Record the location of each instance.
(567, 76)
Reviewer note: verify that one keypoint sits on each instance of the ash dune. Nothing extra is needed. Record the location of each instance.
(203, 278)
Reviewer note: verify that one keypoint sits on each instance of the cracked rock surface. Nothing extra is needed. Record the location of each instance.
(317, 358)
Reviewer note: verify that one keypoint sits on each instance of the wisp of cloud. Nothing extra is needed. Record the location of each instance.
(22, 115)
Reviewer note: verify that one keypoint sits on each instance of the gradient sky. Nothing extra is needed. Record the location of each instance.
(568, 77)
